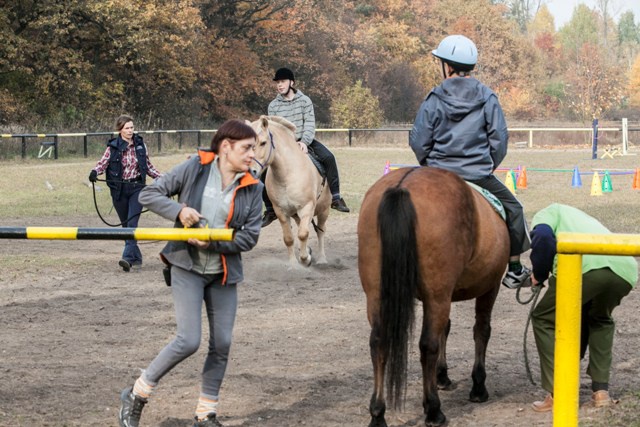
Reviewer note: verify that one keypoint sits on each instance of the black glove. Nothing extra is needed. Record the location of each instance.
(93, 176)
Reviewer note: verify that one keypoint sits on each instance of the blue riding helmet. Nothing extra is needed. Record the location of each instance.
(458, 51)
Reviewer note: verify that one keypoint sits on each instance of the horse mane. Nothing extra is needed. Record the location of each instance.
(281, 121)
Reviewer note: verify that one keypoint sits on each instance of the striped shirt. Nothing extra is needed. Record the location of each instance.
(298, 111)
(129, 164)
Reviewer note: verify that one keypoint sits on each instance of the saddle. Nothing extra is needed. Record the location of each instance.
(318, 164)
(493, 200)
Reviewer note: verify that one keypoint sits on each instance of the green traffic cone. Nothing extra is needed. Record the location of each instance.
(606, 183)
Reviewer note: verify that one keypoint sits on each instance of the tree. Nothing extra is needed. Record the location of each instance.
(400, 92)
(596, 86)
(582, 28)
(522, 11)
(356, 107)
(634, 83)
(628, 37)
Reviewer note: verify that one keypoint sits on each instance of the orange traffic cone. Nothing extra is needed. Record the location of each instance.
(636, 180)
(522, 178)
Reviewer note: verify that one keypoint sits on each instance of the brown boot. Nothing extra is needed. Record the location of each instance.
(545, 405)
(600, 399)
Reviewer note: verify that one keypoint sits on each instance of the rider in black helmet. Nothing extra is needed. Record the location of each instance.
(293, 105)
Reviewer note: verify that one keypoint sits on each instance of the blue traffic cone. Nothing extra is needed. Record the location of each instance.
(576, 182)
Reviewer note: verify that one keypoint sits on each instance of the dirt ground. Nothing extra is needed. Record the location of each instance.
(75, 330)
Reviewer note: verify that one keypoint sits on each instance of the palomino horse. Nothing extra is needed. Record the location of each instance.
(294, 185)
(424, 233)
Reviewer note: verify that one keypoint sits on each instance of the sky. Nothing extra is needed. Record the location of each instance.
(563, 9)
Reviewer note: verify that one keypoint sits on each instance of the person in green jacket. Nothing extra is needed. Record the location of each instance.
(606, 279)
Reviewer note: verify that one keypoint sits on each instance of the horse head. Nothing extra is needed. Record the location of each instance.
(264, 145)
(267, 128)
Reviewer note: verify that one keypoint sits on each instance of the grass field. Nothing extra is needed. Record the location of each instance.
(28, 195)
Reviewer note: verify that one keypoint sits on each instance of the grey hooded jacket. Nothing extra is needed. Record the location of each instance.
(187, 180)
(460, 127)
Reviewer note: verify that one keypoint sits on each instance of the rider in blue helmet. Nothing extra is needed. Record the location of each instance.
(460, 127)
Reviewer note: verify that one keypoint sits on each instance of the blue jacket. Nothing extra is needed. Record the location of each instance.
(188, 180)
(460, 127)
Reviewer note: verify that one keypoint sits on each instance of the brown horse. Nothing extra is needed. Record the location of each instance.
(294, 186)
(424, 233)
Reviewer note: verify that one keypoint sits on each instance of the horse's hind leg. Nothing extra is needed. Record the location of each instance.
(442, 371)
(321, 258)
(433, 330)
(481, 335)
(377, 406)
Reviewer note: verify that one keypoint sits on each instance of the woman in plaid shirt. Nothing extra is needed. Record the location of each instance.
(126, 163)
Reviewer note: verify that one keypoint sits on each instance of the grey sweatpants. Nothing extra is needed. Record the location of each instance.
(189, 290)
(516, 222)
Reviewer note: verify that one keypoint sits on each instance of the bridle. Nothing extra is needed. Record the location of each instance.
(266, 163)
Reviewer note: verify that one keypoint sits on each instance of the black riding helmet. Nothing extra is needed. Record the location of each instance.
(284, 74)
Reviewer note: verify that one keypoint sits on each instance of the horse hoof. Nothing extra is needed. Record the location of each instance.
(440, 422)
(478, 398)
(378, 422)
(307, 262)
(447, 386)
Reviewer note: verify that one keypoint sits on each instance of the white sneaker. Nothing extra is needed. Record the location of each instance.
(515, 280)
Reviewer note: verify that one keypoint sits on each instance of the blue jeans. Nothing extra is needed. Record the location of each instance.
(189, 291)
(129, 208)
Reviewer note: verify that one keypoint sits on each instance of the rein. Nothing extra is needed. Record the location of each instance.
(535, 293)
(95, 203)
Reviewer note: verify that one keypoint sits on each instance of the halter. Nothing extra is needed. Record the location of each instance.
(266, 162)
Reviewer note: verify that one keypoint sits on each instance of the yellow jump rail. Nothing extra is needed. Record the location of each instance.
(571, 247)
(77, 233)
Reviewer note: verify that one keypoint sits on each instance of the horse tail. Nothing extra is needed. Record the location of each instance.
(399, 279)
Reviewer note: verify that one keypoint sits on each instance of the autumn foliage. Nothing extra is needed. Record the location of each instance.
(188, 63)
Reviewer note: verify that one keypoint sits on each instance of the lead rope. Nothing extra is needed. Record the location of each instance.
(535, 293)
(95, 203)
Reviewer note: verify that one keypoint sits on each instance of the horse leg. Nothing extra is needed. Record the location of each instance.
(377, 406)
(287, 237)
(433, 330)
(303, 237)
(320, 230)
(481, 335)
(442, 370)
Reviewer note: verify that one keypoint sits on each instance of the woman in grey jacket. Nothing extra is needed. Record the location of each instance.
(215, 188)
(461, 127)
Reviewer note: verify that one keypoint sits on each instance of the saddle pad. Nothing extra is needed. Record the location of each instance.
(316, 161)
(493, 200)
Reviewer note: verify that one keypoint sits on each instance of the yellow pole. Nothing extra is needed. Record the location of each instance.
(76, 233)
(566, 378)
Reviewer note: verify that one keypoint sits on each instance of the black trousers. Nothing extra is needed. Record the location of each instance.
(516, 222)
(327, 159)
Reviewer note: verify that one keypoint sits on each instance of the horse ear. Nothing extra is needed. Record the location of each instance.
(247, 122)
(265, 121)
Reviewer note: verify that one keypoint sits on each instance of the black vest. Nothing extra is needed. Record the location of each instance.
(114, 168)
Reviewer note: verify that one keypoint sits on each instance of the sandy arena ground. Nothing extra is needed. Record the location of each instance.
(75, 330)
